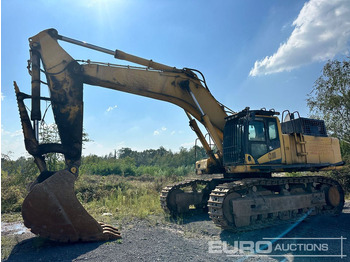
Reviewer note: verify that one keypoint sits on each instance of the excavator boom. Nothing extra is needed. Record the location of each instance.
(65, 77)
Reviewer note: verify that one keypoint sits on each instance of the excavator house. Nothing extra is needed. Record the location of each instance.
(235, 183)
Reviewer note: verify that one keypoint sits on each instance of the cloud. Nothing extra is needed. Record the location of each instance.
(187, 145)
(96, 148)
(2, 97)
(12, 143)
(159, 131)
(322, 30)
(16, 133)
(111, 108)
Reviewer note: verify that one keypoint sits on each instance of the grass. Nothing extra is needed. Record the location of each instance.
(11, 217)
(7, 244)
(114, 198)
(111, 199)
(139, 200)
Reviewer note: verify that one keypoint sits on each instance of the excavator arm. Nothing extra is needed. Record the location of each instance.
(65, 77)
(51, 208)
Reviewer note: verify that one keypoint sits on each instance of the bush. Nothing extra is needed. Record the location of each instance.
(101, 178)
(11, 199)
(15, 176)
(343, 175)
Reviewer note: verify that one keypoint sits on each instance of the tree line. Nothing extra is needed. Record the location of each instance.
(128, 162)
(153, 164)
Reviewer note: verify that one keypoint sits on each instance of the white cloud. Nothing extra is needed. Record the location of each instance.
(4, 132)
(12, 143)
(111, 108)
(2, 97)
(96, 148)
(159, 131)
(17, 133)
(187, 145)
(322, 30)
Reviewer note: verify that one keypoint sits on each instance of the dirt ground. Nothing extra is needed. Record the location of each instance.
(196, 238)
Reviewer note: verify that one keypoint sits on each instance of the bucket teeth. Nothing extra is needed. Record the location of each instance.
(110, 230)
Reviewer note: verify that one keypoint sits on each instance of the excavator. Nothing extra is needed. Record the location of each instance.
(235, 183)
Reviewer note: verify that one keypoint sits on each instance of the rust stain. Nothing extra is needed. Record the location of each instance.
(72, 111)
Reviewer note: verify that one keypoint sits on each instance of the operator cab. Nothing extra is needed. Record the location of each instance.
(249, 136)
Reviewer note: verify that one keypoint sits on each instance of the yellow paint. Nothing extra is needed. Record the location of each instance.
(249, 160)
(271, 156)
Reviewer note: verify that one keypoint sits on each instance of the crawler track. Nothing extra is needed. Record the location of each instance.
(167, 196)
(216, 194)
(244, 188)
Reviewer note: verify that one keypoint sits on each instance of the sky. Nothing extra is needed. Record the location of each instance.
(261, 54)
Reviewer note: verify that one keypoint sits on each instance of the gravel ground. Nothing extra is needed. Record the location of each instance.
(188, 240)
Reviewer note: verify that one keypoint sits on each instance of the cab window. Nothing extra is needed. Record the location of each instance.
(273, 134)
(256, 131)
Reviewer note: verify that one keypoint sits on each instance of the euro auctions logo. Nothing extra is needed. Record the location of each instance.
(239, 247)
(272, 247)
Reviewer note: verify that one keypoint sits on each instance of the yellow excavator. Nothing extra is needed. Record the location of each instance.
(234, 183)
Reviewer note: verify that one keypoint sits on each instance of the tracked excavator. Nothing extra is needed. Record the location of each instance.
(235, 183)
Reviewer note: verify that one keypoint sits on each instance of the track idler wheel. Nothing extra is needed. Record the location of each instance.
(335, 197)
(51, 210)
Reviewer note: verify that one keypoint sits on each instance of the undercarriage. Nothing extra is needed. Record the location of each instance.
(254, 203)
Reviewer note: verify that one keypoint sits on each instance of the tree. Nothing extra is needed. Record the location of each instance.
(330, 98)
(48, 133)
(126, 152)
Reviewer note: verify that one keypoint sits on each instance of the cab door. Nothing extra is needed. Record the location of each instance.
(263, 140)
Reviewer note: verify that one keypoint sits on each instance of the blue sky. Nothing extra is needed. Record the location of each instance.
(252, 53)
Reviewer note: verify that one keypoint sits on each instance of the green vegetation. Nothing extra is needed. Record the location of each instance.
(114, 188)
(127, 180)
(330, 98)
(159, 162)
(134, 202)
(115, 198)
(330, 101)
(7, 244)
(15, 176)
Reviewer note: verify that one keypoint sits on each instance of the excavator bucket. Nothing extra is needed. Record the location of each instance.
(51, 208)
(52, 211)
